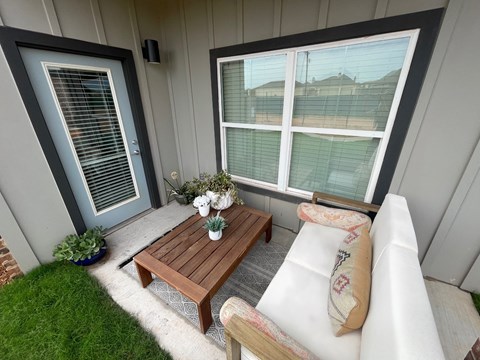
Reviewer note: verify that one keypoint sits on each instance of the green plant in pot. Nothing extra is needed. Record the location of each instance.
(215, 226)
(183, 194)
(83, 249)
(220, 188)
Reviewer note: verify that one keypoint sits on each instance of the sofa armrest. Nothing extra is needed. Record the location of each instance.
(348, 220)
(246, 326)
(344, 202)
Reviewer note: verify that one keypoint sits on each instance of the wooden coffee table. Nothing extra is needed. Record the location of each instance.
(196, 266)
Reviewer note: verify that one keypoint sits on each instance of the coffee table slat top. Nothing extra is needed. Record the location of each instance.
(234, 239)
(188, 250)
(195, 292)
(234, 256)
(195, 265)
(214, 246)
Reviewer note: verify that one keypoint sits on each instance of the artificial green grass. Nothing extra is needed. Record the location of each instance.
(58, 311)
(476, 301)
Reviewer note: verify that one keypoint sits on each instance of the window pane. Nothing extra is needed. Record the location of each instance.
(253, 154)
(253, 90)
(348, 87)
(88, 107)
(339, 165)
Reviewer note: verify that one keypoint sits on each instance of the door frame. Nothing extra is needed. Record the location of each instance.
(11, 39)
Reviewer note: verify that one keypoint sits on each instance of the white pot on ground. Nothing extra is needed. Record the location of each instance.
(215, 235)
(220, 202)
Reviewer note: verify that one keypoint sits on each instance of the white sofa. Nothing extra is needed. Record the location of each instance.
(399, 324)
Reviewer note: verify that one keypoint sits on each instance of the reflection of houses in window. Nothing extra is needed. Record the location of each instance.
(337, 102)
(275, 88)
(337, 85)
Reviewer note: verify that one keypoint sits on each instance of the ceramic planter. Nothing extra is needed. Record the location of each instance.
(181, 199)
(215, 235)
(220, 202)
(93, 259)
(204, 210)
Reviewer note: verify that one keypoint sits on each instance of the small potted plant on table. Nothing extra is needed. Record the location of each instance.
(202, 203)
(215, 225)
(85, 249)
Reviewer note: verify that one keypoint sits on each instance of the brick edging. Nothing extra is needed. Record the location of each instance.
(9, 268)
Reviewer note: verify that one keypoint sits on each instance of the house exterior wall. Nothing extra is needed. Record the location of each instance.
(192, 27)
(26, 182)
(178, 105)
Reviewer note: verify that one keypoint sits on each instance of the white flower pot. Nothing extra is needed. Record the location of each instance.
(204, 210)
(220, 202)
(215, 235)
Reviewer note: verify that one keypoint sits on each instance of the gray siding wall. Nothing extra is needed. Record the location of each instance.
(192, 27)
(26, 182)
(177, 96)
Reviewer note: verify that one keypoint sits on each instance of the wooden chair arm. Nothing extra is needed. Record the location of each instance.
(245, 325)
(344, 202)
(239, 332)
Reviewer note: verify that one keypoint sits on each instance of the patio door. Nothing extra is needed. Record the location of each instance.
(85, 104)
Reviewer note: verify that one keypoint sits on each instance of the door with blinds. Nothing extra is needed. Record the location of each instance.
(85, 104)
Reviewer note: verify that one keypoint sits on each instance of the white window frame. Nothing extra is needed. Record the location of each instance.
(286, 128)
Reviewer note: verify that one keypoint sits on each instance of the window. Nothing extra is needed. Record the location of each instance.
(327, 110)
(313, 118)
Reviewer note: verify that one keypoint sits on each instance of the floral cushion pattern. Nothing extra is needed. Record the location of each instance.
(237, 306)
(348, 220)
(349, 294)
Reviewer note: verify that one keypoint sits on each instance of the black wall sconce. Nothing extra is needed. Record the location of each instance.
(150, 51)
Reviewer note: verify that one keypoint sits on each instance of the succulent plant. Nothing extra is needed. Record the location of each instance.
(215, 223)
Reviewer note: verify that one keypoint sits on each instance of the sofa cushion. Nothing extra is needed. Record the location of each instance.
(315, 247)
(392, 225)
(400, 323)
(350, 283)
(296, 300)
(348, 220)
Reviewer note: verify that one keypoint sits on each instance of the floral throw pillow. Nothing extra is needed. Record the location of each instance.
(348, 220)
(350, 283)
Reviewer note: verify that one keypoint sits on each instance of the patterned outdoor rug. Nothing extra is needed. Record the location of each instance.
(249, 281)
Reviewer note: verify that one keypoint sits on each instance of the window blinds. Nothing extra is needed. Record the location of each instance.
(338, 165)
(253, 154)
(253, 93)
(87, 105)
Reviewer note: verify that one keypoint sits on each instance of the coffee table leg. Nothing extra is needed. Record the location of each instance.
(205, 315)
(144, 274)
(268, 232)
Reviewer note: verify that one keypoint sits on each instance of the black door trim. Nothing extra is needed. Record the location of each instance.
(10, 40)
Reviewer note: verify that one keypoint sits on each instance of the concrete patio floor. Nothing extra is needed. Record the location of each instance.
(457, 321)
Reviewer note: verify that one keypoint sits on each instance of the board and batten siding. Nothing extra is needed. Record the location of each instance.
(26, 182)
(192, 27)
(177, 99)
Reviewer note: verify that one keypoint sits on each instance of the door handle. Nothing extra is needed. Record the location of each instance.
(136, 152)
